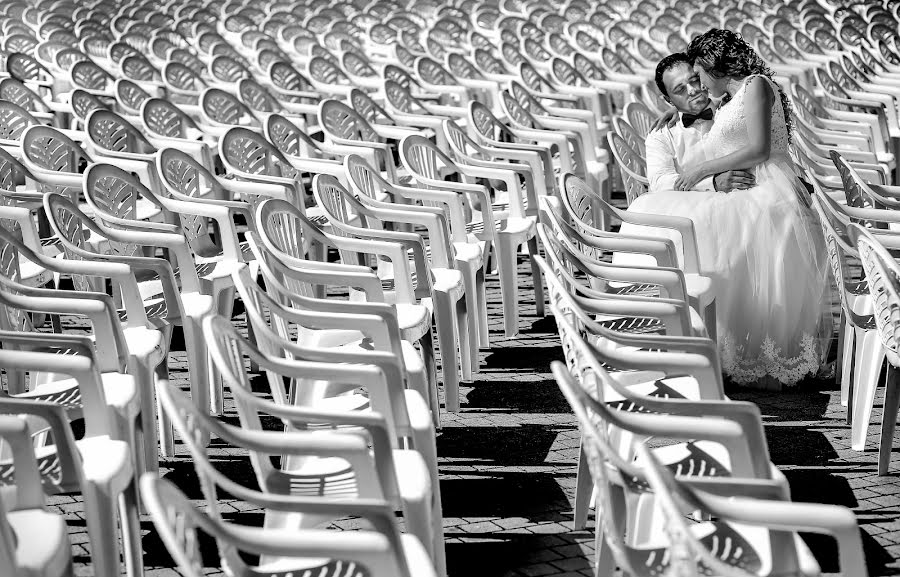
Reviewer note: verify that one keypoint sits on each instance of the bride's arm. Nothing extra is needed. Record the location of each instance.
(758, 101)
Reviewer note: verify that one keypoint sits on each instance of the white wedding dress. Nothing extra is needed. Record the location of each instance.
(765, 253)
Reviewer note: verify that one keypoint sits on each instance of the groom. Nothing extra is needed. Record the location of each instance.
(680, 143)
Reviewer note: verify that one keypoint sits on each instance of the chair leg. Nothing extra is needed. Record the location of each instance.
(889, 419)
(131, 531)
(839, 361)
(198, 363)
(584, 485)
(468, 346)
(224, 306)
(475, 320)
(846, 361)
(100, 517)
(146, 379)
(426, 344)
(536, 278)
(445, 321)
(871, 356)
(483, 333)
(509, 284)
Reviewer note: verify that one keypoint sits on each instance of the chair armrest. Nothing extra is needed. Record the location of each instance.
(839, 522)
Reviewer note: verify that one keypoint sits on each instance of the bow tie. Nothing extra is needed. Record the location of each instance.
(689, 119)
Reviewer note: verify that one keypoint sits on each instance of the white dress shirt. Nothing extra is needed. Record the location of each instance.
(672, 148)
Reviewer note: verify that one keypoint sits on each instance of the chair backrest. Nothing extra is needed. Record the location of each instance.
(256, 97)
(631, 135)
(341, 121)
(639, 117)
(226, 69)
(356, 65)
(424, 159)
(840, 248)
(12, 172)
(130, 96)
(368, 108)
(883, 278)
(89, 76)
(14, 91)
(49, 151)
(289, 139)
(107, 131)
(66, 58)
(633, 167)
(462, 68)
(25, 68)
(857, 192)
(327, 72)
(163, 118)
(247, 151)
(487, 126)
(14, 120)
(137, 68)
(285, 233)
(113, 194)
(118, 51)
(222, 108)
(400, 98)
(182, 79)
(487, 62)
(286, 77)
(182, 175)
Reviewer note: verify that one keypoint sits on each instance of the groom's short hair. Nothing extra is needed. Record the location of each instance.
(666, 63)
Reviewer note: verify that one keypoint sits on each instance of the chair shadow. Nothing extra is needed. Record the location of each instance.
(799, 446)
(533, 358)
(498, 555)
(537, 497)
(526, 444)
(803, 403)
(505, 396)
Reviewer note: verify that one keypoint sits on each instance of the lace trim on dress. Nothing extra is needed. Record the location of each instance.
(770, 361)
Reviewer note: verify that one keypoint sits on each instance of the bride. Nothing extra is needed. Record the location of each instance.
(761, 245)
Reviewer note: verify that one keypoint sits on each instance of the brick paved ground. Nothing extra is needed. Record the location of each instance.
(507, 464)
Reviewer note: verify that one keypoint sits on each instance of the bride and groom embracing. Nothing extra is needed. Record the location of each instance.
(730, 171)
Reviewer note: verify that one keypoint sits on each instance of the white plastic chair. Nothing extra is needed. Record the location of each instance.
(34, 542)
(435, 284)
(380, 552)
(99, 465)
(727, 546)
(429, 167)
(406, 477)
(371, 187)
(882, 272)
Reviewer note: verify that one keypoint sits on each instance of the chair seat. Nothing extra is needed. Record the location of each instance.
(747, 547)
(450, 281)
(42, 542)
(414, 321)
(645, 325)
(33, 274)
(685, 387)
(417, 559)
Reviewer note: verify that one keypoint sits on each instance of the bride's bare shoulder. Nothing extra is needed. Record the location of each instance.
(759, 88)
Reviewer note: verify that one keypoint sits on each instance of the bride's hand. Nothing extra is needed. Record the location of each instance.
(668, 118)
(690, 177)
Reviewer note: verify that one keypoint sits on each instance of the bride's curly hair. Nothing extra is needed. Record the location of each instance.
(725, 53)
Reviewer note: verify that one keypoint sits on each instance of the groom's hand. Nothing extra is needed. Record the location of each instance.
(733, 180)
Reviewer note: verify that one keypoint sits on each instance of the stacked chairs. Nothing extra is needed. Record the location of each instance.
(372, 163)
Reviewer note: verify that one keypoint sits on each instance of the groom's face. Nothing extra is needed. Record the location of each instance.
(686, 93)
